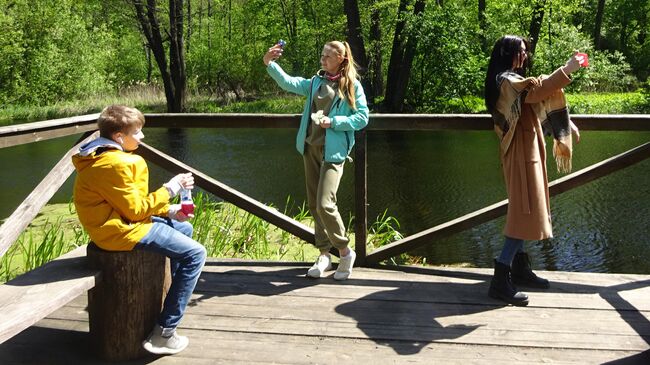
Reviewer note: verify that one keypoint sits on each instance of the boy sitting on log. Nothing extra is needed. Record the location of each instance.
(114, 205)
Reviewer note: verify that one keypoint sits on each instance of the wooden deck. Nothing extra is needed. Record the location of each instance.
(255, 312)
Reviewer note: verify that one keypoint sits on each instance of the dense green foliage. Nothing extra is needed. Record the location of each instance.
(54, 52)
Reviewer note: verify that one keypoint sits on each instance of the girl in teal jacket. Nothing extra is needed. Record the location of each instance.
(335, 108)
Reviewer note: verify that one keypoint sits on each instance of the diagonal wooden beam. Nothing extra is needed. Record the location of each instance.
(29, 208)
(496, 210)
(229, 194)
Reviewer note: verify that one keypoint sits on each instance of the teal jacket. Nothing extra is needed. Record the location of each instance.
(339, 138)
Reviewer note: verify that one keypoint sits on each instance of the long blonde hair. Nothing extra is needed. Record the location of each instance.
(348, 71)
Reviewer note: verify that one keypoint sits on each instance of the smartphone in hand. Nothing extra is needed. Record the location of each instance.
(583, 59)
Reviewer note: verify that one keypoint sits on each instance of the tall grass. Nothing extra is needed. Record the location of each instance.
(147, 98)
(385, 230)
(151, 99)
(225, 230)
(40, 244)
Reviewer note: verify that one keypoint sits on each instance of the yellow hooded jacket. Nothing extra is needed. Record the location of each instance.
(111, 195)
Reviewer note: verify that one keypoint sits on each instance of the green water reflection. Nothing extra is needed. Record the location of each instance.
(421, 178)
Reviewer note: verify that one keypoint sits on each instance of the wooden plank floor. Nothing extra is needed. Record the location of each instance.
(269, 313)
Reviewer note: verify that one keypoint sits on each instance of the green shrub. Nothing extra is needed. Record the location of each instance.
(646, 95)
(607, 103)
(607, 71)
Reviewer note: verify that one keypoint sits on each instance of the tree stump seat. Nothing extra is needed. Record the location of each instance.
(123, 307)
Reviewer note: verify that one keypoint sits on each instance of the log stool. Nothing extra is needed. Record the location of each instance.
(124, 306)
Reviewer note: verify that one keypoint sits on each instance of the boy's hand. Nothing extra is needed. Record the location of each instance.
(176, 213)
(187, 180)
(178, 182)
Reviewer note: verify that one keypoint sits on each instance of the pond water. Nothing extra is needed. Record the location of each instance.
(420, 178)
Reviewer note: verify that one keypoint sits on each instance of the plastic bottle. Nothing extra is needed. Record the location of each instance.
(187, 205)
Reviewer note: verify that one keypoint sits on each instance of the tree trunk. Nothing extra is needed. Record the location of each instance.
(124, 305)
(209, 21)
(177, 55)
(536, 24)
(150, 27)
(147, 51)
(189, 26)
(229, 22)
(396, 57)
(290, 21)
(355, 39)
(375, 62)
(623, 36)
(174, 78)
(401, 60)
(482, 23)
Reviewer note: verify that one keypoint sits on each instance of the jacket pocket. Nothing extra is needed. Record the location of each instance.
(530, 146)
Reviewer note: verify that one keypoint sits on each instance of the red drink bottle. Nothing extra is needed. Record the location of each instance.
(187, 205)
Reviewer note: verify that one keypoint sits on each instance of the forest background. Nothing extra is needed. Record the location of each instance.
(70, 57)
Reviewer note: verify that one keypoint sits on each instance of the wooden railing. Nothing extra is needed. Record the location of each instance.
(34, 132)
(34, 295)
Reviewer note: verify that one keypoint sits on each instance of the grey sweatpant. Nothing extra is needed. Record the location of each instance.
(322, 180)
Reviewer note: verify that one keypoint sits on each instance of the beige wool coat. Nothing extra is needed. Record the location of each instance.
(524, 168)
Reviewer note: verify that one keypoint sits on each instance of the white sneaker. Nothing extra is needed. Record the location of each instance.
(159, 345)
(344, 270)
(322, 264)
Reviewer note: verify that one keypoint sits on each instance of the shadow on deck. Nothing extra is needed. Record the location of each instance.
(268, 312)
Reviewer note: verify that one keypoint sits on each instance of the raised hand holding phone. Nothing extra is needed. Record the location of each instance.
(274, 52)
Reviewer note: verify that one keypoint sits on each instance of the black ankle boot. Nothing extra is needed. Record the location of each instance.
(502, 288)
(522, 274)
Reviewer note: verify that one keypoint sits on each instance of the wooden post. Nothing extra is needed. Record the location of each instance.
(360, 197)
(124, 306)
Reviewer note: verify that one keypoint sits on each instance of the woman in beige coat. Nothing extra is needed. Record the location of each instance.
(520, 107)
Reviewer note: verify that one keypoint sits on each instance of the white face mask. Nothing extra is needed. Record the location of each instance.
(120, 140)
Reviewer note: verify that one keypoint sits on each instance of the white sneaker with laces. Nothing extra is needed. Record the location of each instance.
(344, 270)
(159, 345)
(322, 264)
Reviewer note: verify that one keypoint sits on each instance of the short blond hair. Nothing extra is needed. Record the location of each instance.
(119, 118)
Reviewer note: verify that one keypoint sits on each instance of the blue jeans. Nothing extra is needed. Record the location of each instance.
(174, 239)
(510, 248)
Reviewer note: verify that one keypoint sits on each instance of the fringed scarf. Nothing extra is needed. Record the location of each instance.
(552, 112)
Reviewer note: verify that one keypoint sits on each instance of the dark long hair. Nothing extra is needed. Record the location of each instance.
(505, 50)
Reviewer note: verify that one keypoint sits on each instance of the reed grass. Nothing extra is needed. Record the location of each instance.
(227, 231)
(54, 232)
